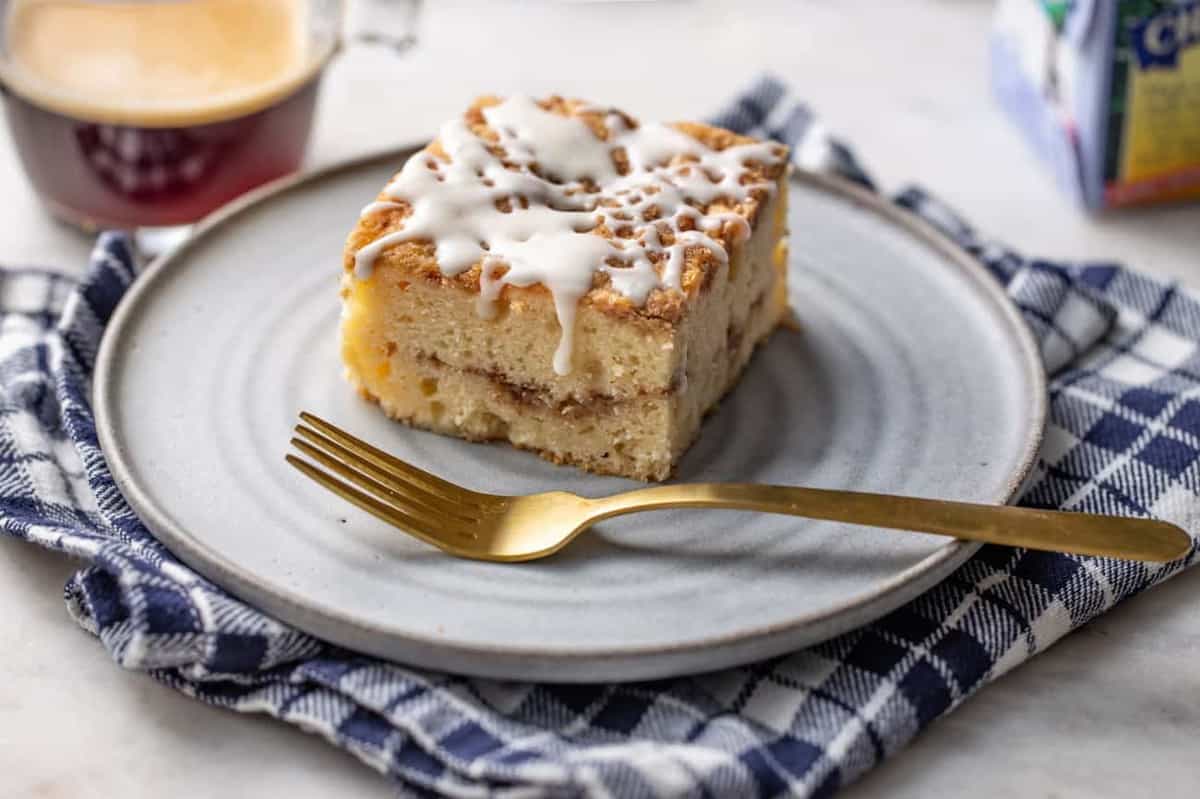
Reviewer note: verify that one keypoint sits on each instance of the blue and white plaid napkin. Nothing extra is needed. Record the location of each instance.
(1124, 438)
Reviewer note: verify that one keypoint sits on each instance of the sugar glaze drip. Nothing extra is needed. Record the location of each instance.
(525, 227)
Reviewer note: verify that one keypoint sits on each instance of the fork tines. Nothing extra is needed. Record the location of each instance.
(423, 504)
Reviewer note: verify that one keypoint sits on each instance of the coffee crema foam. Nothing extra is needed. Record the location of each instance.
(158, 65)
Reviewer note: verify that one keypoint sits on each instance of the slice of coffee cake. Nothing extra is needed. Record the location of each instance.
(552, 274)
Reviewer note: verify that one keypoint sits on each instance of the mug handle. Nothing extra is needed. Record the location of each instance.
(387, 23)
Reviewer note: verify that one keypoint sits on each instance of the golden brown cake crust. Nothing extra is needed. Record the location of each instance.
(415, 260)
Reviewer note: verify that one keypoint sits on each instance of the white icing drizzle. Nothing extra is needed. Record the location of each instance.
(525, 227)
(371, 208)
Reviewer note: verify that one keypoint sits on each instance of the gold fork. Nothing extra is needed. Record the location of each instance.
(472, 524)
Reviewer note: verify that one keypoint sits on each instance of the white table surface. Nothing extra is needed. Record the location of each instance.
(1113, 711)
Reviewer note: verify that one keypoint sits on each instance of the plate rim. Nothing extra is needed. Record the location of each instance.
(327, 623)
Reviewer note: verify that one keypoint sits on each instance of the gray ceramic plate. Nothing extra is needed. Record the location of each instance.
(912, 375)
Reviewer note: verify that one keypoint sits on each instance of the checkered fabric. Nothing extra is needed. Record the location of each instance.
(1124, 438)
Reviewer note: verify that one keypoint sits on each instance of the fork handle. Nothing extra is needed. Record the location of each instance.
(1058, 531)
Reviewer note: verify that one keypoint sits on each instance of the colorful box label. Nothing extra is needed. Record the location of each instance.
(1156, 96)
(1108, 91)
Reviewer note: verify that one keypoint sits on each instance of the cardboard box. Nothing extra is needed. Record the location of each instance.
(1107, 92)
